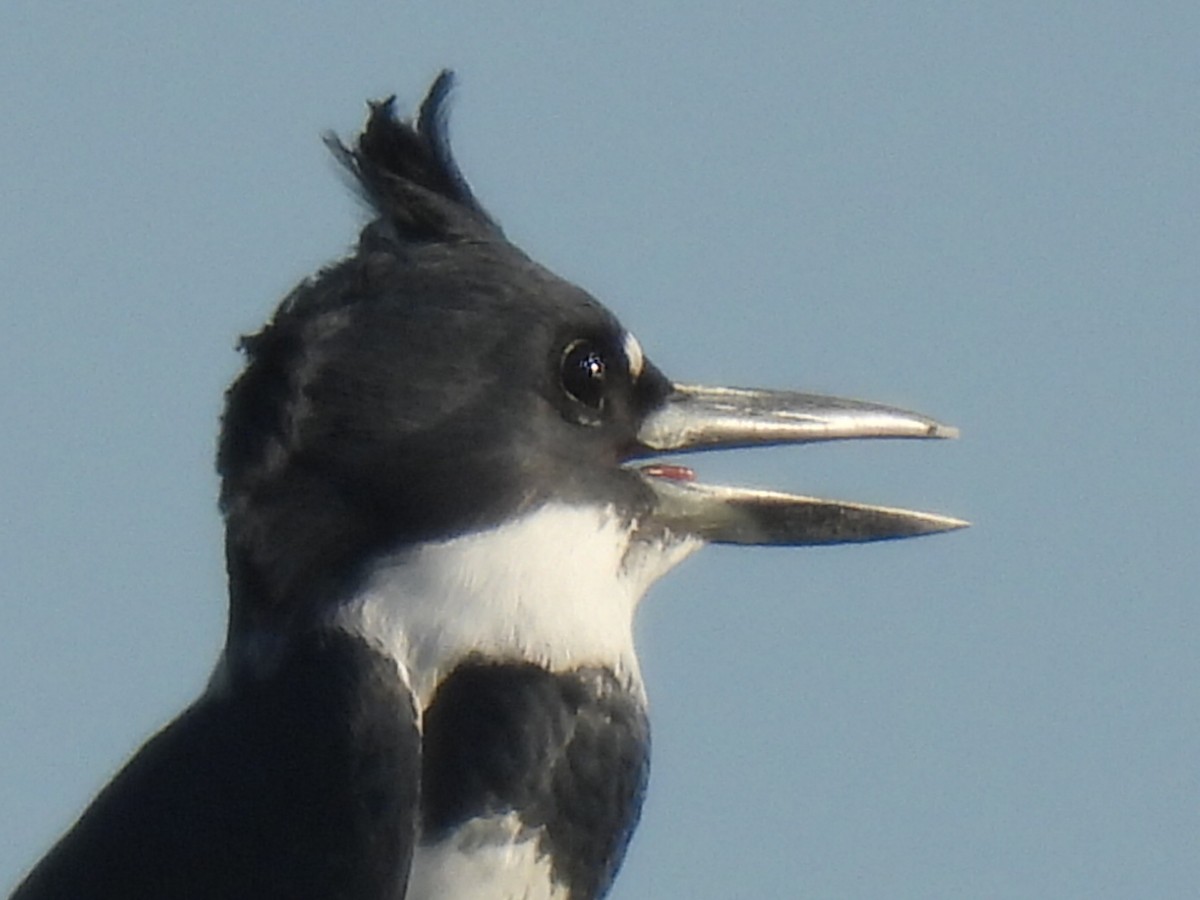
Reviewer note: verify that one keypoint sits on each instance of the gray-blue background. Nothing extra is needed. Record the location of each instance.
(989, 214)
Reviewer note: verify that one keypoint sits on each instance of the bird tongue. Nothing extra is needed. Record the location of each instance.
(667, 470)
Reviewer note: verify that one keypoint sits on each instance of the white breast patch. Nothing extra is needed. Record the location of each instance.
(557, 587)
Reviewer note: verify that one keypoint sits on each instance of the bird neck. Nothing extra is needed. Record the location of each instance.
(557, 587)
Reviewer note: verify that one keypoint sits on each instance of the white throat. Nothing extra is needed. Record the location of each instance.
(557, 587)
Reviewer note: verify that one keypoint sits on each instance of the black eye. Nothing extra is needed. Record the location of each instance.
(584, 373)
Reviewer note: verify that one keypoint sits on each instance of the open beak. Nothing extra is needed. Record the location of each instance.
(703, 418)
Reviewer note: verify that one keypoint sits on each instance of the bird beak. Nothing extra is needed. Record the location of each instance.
(703, 418)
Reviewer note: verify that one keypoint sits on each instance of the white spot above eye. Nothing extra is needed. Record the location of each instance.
(633, 355)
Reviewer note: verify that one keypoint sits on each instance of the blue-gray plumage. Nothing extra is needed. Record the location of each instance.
(439, 523)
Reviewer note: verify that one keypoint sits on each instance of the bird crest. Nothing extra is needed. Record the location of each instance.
(405, 170)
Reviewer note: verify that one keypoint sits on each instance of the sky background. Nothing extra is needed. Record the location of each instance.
(986, 212)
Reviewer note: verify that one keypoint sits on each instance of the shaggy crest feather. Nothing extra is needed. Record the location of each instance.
(406, 171)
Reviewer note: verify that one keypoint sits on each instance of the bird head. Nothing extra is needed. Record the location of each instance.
(438, 382)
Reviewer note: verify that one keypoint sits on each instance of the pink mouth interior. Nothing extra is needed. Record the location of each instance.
(666, 470)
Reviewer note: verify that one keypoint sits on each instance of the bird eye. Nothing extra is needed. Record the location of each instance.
(584, 373)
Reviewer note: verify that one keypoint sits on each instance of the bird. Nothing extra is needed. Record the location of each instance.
(446, 483)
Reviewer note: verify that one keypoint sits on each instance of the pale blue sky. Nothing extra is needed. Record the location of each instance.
(990, 215)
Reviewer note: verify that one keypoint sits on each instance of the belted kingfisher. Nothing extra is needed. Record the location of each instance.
(441, 513)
